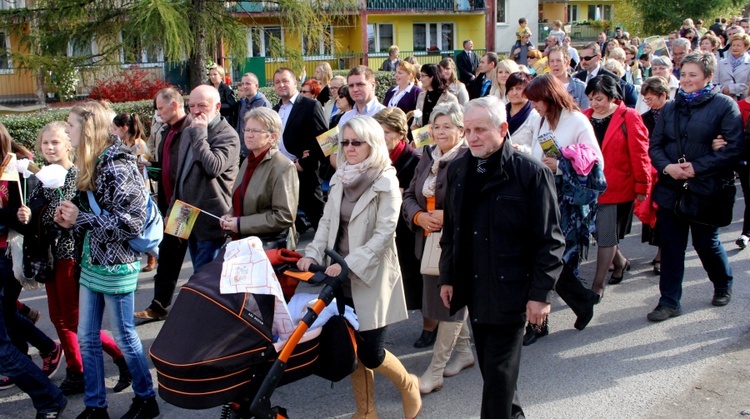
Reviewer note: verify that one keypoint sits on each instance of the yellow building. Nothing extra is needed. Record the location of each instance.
(576, 13)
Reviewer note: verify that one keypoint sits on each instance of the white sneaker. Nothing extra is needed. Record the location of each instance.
(742, 241)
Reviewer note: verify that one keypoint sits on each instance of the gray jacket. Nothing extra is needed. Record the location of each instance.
(577, 89)
(208, 165)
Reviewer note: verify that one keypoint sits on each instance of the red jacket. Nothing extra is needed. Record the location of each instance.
(627, 166)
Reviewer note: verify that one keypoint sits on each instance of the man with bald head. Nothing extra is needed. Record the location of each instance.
(204, 159)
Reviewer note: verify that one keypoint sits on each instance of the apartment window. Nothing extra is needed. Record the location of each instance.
(322, 47)
(502, 9)
(6, 66)
(135, 50)
(262, 39)
(84, 50)
(600, 12)
(379, 37)
(572, 13)
(434, 37)
(12, 4)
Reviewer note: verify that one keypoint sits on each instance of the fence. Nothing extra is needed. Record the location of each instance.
(579, 33)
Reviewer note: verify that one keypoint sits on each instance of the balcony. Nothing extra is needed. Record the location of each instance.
(578, 32)
(427, 5)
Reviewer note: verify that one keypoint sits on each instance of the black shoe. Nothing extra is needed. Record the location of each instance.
(54, 414)
(426, 339)
(657, 267)
(722, 298)
(584, 316)
(94, 413)
(662, 313)
(535, 332)
(142, 409)
(125, 378)
(613, 280)
(73, 384)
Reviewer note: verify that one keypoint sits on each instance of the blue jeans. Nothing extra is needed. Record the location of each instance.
(120, 312)
(203, 251)
(674, 239)
(45, 396)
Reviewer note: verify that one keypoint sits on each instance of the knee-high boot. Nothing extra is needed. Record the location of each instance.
(407, 383)
(362, 386)
(432, 379)
(463, 357)
(580, 299)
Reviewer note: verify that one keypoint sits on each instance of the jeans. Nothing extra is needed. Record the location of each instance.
(45, 396)
(120, 311)
(674, 234)
(203, 251)
(62, 299)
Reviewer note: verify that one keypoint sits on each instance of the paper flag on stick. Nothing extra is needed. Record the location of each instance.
(422, 136)
(329, 141)
(9, 169)
(52, 176)
(181, 219)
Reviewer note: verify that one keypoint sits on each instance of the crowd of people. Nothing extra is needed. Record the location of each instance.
(531, 157)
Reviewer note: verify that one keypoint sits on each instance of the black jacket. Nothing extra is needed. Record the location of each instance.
(525, 238)
(228, 104)
(475, 87)
(696, 125)
(627, 90)
(467, 66)
(306, 121)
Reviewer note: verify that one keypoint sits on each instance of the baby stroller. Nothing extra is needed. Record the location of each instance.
(217, 349)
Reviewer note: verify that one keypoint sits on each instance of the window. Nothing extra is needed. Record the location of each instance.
(6, 65)
(84, 50)
(572, 13)
(600, 12)
(379, 37)
(323, 46)
(433, 37)
(134, 50)
(262, 39)
(502, 8)
(12, 4)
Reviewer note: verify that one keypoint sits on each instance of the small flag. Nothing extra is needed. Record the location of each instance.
(9, 169)
(422, 136)
(181, 219)
(329, 141)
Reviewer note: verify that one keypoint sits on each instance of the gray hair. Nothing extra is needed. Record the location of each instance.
(495, 109)
(615, 67)
(270, 119)
(452, 110)
(682, 43)
(339, 79)
(662, 61)
(704, 60)
(367, 129)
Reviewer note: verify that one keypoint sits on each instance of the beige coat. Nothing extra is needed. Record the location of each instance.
(270, 203)
(377, 287)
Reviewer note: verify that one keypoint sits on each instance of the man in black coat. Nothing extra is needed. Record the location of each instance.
(482, 84)
(502, 248)
(467, 62)
(591, 57)
(303, 120)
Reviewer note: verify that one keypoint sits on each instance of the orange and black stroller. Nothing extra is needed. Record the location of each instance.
(217, 349)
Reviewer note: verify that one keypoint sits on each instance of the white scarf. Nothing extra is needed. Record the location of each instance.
(428, 189)
(348, 173)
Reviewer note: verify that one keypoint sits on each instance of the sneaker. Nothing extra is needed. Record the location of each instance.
(142, 408)
(722, 298)
(662, 313)
(54, 414)
(51, 361)
(6, 383)
(742, 241)
(94, 413)
(73, 383)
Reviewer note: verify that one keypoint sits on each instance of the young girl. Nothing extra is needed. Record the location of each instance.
(108, 175)
(62, 293)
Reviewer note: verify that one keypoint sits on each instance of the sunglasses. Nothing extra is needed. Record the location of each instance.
(589, 58)
(354, 143)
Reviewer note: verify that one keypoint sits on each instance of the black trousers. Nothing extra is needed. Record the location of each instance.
(172, 252)
(499, 353)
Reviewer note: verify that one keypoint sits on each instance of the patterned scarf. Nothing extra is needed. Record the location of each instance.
(736, 61)
(348, 173)
(428, 189)
(690, 97)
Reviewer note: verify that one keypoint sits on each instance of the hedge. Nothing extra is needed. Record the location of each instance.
(25, 127)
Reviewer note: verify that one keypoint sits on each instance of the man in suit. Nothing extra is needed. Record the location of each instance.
(361, 84)
(302, 120)
(591, 57)
(482, 84)
(502, 248)
(467, 62)
(601, 40)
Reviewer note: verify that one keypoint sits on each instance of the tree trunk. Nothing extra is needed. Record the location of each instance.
(198, 58)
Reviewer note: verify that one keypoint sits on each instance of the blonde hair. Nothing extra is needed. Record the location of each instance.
(58, 127)
(367, 129)
(95, 123)
(219, 69)
(327, 72)
(508, 65)
(615, 67)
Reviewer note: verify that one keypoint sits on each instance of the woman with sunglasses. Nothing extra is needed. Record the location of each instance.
(435, 92)
(359, 222)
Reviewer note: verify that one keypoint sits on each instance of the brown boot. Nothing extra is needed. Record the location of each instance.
(407, 383)
(362, 386)
(150, 265)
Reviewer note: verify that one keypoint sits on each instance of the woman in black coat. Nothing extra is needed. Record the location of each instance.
(228, 102)
(697, 116)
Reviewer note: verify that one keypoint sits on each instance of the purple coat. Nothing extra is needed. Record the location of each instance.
(408, 102)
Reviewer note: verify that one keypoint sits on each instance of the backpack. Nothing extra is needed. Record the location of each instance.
(151, 234)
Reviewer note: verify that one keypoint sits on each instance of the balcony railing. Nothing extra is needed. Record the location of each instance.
(427, 5)
(578, 33)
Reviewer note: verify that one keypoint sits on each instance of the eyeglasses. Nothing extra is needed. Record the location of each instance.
(304, 91)
(255, 131)
(354, 143)
(589, 58)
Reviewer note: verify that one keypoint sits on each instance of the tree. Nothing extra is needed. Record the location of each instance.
(662, 17)
(181, 28)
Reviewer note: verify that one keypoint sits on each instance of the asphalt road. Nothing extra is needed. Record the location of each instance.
(621, 366)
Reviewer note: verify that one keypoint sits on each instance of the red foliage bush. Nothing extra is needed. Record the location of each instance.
(128, 86)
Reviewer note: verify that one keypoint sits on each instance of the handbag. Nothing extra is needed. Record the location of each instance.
(151, 233)
(431, 256)
(337, 357)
